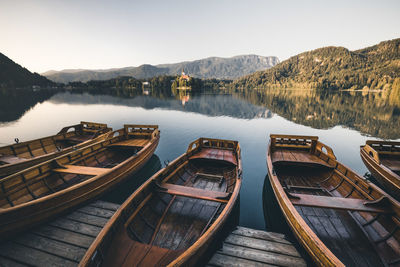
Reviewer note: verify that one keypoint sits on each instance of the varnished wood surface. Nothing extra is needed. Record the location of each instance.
(41, 192)
(249, 247)
(216, 154)
(285, 156)
(21, 155)
(61, 242)
(383, 161)
(172, 218)
(337, 216)
(137, 142)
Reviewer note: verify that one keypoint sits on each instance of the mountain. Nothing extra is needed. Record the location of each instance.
(213, 67)
(374, 67)
(13, 75)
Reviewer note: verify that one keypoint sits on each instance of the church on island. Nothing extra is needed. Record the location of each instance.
(184, 80)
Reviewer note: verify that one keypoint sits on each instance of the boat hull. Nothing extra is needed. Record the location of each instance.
(39, 145)
(385, 177)
(337, 216)
(24, 216)
(171, 232)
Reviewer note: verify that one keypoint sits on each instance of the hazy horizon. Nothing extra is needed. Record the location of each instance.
(55, 35)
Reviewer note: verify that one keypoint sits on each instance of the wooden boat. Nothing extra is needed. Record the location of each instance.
(40, 192)
(383, 161)
(22, 155)
(337, 216)
(174, 216)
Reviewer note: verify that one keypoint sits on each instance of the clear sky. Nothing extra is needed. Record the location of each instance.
(42, 35)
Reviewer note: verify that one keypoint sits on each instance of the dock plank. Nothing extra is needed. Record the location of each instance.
(61, 242)
(225, 260)
(271, 236)
(261, 256)
(87, 218)
(250, 247)
(66, 236)
(264, 245)
(32, 256)
(104, 205)
(97, 211)
(4, 262)
(53, 247)
(77, 227)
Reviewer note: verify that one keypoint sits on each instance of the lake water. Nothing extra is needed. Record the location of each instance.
(343, 121)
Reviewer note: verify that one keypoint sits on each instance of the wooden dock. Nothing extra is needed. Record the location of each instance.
(61, 242)
(64, 241)
(249, 247)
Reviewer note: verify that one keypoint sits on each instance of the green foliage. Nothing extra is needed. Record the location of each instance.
(374, 67)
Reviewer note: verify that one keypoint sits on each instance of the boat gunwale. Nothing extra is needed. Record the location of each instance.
(377, 162)
(384, 173)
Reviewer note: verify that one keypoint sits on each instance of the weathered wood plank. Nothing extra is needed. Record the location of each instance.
(104, 205)
(262, 256)
(226, 260)
(87, 218)
(97, 211)
(4, 262)
(264, 245)
(66, 236)
(57, 248)
(32, 256)
(76, 227)
(271, 236)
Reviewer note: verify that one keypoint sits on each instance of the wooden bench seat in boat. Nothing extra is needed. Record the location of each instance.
(192, 192)
(81, 170)
(11, 159)
(340, 203)
(216, 154)
(133, 142)
(297, 157)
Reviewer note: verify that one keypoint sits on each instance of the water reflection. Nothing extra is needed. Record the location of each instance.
(247, 117)
(207, 104)
(375, 114)
(14, 103)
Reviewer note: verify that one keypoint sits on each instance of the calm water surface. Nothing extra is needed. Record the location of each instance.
(250, 119)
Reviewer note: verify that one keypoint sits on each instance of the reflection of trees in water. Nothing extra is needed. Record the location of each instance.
(210, 105)
(14, 103)
(376, 114)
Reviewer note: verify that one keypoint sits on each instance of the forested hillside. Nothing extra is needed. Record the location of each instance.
(13, 75)
(375, 67)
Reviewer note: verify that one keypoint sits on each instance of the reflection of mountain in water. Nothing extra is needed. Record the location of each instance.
(376, 114)
(14, 103)
(211, 105)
